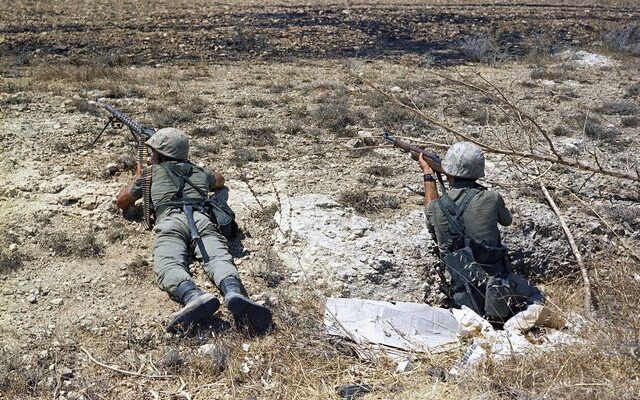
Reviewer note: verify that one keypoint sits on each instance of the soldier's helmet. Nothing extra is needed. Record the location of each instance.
(170, 142)
(464, 160)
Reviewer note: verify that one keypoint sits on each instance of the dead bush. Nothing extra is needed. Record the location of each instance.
(172, 117)
(260, 136)
(621, 107)
(561, 130)
(474, 112)
(374, 99)
(630, 122)
(217, 129)
(361, 201)
(245, 113)
(242, 156)
(84, 73)
(10, 87)
(595, 130)
(393, 116)
(279, 87)
(83, 105)
(481, 48)
(246, 40)
(85, 244)
(139, 268)
(10, 261)
(259, 102)
(293, 128)
(625, 39)
(196, 104)
(634, 90)
(206, 148)
(18, 379)
(332, 116)
(20, 98)
(124, 91)
(382, 171)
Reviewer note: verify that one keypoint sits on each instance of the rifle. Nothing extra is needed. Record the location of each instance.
(431, 158)
(140, 134)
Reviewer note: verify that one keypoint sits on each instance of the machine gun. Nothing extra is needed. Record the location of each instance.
(117, 120)
(431, 158)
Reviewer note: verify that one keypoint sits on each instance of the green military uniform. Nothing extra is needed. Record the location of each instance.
(481, 218)
(173, 244)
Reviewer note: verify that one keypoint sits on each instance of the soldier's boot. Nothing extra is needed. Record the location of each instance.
(198, 306)
(247, 313)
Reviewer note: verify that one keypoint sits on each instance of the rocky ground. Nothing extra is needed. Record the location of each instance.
(325, 207)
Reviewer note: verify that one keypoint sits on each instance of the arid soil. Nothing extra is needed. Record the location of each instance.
(268, 95)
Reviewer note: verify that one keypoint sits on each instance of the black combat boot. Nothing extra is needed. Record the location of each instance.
(245, 312)
(198, 305)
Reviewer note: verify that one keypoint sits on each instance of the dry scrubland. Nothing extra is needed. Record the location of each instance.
(263, 91)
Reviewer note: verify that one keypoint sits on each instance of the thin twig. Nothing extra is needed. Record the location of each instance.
(125, 372)
(574, 249)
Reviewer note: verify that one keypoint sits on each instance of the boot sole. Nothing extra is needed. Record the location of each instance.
(247, 313)
(201, 308)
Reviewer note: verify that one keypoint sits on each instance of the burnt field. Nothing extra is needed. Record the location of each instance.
(280, 97)
(131, 34)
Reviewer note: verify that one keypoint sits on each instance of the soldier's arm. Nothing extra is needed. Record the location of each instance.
(129, 194)
(430, 189)
(215, 180)
(504, 215)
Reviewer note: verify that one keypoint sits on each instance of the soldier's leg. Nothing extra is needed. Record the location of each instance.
(220, 264)
(171, 253)
(224, 274)
(171, 258)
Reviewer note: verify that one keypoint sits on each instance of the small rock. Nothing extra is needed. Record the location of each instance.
(43, 354)
(32, 299)
(405, 366)
(13, 247)
(71, 395)
(66, 373)
(57, 302)
(395, 89)
(246, 347)
(112, 168)
(207, 349)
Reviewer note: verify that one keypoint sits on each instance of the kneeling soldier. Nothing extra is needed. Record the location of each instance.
(464, 221)
(185, 227)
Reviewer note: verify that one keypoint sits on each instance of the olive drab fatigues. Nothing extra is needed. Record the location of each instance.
(173, 244)
(481, 276)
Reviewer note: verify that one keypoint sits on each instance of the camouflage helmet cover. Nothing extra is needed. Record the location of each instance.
(464, 160)
(170, 142)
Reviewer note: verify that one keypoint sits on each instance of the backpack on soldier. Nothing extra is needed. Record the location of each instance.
(479, 272)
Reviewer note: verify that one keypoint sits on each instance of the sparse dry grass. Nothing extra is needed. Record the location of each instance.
(363, 202)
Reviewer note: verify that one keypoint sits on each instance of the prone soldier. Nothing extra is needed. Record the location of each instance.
(186, 227)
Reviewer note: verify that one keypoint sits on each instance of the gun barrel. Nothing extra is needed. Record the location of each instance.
(135, 127)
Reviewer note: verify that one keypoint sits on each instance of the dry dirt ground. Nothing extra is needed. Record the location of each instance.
(326, 208)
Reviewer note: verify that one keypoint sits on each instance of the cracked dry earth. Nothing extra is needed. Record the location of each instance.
(78, 273)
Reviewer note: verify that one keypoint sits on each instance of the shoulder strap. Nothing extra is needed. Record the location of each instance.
(454, 212)
(179, 180)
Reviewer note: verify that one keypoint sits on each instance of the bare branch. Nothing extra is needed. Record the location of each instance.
(569, 162)
(574, 249)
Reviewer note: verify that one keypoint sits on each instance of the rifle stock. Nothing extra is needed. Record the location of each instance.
(431, 158)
